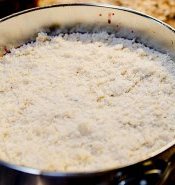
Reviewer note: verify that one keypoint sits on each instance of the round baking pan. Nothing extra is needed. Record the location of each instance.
(156, 168)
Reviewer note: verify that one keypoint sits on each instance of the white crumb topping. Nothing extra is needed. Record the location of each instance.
(81, 102)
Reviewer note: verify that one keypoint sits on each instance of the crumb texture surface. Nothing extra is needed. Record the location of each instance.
(81, 102)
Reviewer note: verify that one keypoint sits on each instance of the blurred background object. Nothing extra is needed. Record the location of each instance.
(161, 9)
(8, 7)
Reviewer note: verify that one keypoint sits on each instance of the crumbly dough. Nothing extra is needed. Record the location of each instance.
(84, 101)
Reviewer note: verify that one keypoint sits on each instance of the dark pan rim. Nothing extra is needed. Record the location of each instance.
(95, 172)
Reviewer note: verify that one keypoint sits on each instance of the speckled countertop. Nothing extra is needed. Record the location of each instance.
(161, 9)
